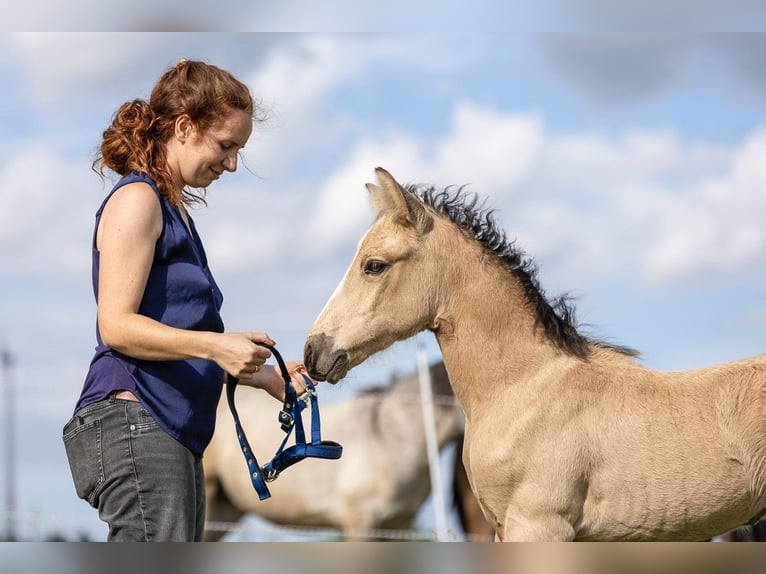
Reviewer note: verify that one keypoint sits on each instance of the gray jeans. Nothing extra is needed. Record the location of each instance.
(146, 485)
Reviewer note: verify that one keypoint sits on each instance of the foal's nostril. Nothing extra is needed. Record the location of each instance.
(308, 356)
(312, 354)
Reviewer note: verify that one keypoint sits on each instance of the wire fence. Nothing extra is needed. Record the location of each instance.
(47, 526)
(39, 526)
(236, 530)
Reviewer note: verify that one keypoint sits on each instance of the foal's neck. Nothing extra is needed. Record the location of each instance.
(488, 332)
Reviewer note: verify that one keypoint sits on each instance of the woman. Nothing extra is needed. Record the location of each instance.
(147, 408)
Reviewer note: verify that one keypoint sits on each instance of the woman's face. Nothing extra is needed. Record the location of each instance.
(200, 157)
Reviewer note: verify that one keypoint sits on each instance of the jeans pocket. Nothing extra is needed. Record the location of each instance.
(82, 442)
(145, 420)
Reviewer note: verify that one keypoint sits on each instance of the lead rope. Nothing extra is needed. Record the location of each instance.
(289, 417)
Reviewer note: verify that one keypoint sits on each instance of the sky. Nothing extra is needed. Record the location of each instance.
(631, 167)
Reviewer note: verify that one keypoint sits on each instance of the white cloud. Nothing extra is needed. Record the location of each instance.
(716, 226)
(488, 150)
(46, 220)
(294, 82)
(246, 226)
(612, 70)
(298, 82)
(640, 206)
(60, 67)
(647, 208)
(485, 150)
(342, 210)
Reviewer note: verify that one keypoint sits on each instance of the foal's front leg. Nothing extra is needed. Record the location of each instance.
(536, 527)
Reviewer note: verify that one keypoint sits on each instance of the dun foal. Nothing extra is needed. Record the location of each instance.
(567, 438)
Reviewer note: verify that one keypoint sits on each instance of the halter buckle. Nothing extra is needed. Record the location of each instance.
(305, 398)
(286, 420)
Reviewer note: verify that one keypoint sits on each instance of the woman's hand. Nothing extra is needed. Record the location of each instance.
(239, 354)
(270, 379)
(297, 371)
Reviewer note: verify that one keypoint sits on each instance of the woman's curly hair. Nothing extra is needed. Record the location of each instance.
(137, 138)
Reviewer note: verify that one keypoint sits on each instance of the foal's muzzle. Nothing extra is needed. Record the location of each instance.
(323, 361)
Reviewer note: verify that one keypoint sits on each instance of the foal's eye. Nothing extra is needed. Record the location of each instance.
(374, 267)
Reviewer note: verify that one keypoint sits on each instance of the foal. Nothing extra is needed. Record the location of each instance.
(566, 438)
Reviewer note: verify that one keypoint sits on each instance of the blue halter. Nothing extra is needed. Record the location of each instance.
(289, 417)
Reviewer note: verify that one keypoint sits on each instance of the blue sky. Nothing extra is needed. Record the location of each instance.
(630, 166)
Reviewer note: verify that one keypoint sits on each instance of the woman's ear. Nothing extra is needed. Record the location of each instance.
(184, 127)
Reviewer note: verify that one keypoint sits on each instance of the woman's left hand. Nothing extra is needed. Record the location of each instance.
(297, 371)
(269, 378)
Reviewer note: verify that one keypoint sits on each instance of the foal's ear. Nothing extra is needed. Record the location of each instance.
(389, 195)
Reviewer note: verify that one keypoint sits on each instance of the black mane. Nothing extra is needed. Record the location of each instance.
(557, 316)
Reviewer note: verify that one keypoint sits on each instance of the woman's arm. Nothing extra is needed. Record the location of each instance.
(129, 228)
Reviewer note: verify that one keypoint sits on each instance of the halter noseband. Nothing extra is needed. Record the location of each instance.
(289, 417)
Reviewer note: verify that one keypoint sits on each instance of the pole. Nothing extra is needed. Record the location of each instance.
(10, 470)
(432, 445)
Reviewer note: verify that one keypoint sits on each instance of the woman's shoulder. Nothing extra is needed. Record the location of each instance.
(135, 178)
(134, 194)
(133, 187)
(135, 204)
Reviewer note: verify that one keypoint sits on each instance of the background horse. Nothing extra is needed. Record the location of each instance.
(567, 438)
(380, 482)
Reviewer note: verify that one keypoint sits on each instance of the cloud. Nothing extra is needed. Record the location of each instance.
(654, 16)
(640, 206)
(715, 228)
(303, 86)
(489, 150)
(739, 56)
(172, 15)
(45, 226)
(294, 83)
(648, 207)
(485, 149)
(615, 69)
(612, 71)
(63, 68)
(338, 16)
(76, 71)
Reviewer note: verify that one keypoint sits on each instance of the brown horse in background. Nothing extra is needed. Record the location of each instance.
(567, 438)
(475, 526)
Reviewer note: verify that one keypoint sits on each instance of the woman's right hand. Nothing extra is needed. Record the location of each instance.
(239, 355)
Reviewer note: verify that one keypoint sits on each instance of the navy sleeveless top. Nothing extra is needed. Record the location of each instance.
(182, 396)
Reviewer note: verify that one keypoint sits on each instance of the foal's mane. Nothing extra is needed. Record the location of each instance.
(557, 316)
